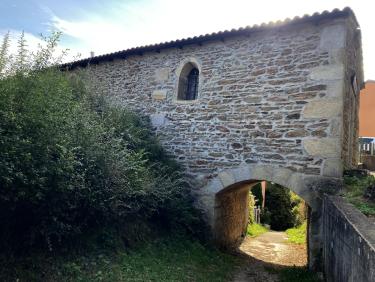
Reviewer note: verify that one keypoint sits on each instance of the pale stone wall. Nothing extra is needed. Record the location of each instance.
(272, 97)
(272, 105)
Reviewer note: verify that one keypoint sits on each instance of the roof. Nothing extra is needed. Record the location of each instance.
(221, 35)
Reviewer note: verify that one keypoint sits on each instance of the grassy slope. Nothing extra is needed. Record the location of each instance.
(297, 234)
(354, 189)
(256, 229)
(163, 260)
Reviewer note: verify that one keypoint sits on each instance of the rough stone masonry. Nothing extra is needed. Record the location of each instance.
(277, 102)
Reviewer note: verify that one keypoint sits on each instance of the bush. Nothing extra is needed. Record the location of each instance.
(252, 203)
(69, 162)
(356, 191)
(297, 235)
(299, 209)
(279, 207)
(255, 229)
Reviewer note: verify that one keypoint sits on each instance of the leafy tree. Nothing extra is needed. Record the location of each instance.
(71, 163)
(279, 207)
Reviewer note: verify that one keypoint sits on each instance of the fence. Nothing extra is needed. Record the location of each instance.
(257, 212)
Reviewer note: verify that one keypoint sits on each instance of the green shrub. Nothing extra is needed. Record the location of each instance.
(256, 229)
(69, 162)
(299, 209)
(168, 259)
(297, 234)
(279, 207)
(355, 190)
(252, 203)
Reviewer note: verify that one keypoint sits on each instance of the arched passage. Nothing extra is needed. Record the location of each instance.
(224, 200)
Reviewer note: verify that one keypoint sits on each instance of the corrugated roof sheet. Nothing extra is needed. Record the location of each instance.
(221, 35)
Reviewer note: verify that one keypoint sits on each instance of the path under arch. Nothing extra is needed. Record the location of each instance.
(267, 251)
(225, 201)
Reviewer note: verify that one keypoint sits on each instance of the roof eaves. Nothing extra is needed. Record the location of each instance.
(221, 35)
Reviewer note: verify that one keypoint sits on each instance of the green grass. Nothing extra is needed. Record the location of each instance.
(294, 274)
(354, 190)
(297, 234)
(163, 260)
(256, 229)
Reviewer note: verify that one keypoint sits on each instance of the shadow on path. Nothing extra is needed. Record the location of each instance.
(266, 253)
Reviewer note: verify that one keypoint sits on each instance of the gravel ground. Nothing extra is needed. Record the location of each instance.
(271, 250)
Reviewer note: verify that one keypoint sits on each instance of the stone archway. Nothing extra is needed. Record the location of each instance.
(224, 201)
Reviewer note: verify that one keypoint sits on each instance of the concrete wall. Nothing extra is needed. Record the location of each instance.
(349, 243)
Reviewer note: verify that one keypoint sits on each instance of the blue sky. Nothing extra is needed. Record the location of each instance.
(111, 25)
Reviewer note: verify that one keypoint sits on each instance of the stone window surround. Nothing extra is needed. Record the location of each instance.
(196, 63)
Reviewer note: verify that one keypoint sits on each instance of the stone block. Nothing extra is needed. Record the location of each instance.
(161, 74)
(323, 108)
(323, 147)
(333, 168)
(282, 176)
(335, 127)
(263, 172)
(227, 178)
(242, 174)
(157, 120)
(321, 184)
(335, 88)
(214, 186)
(159, 94)
(332, 37)
(327, 72)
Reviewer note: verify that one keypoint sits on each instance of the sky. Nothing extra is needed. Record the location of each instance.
(105, 26)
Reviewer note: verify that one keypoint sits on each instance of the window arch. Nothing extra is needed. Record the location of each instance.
(188, 83)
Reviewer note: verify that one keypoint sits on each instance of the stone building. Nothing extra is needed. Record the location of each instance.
(275, 102)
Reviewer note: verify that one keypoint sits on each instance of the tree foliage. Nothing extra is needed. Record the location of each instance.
(279, 207)
(70, 162)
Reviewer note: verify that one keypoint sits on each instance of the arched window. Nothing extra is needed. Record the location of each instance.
(188, 83)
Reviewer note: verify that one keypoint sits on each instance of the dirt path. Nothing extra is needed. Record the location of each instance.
(270, 249)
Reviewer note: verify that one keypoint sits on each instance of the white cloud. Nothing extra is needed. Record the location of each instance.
(32, 43)
(146, 22)
(14, 35)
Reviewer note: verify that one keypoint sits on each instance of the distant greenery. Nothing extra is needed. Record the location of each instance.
(297, 234)
(168, 259)
(278, 212)
(256, 229)
(294, 274)
(71, 163)
(355, 187)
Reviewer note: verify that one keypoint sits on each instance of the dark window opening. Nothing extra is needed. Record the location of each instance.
(188, 83)
(192, 85)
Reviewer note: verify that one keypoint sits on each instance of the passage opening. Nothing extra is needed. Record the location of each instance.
(263, 220)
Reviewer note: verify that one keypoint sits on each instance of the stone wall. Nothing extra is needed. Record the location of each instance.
(232, 215)
(276, 104)
(353, 82)
(269, 97)
(349, 242)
